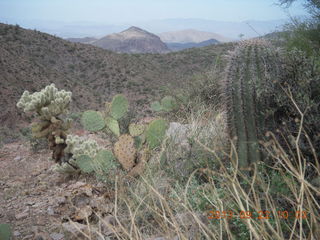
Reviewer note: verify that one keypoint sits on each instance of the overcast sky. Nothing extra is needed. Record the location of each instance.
(126, 11)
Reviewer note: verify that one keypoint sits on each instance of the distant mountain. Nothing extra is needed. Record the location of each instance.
(132, 40)
(30, 60)
(86, 40)
(190, 36)
(181, 46)
(231, 30)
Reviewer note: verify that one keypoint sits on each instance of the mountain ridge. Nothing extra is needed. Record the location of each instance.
(99, 29)
(191, 35)
(132, 40)
(181, 46)
(31, 60)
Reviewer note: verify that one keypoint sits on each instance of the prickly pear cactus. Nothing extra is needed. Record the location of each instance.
(139, 141)
(136, 129)
(113, 125)
(85, 163)
(167, 104)
(119, 106)
(143, 158)
(155, 133)
(125, 151)
(92, 121)
(250, 78)
(5, 232)
(105, 161)
(156, 106)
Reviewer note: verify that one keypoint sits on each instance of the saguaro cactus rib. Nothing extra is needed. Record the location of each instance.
(248, 87)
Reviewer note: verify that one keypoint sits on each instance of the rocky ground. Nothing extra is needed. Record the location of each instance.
(39, 203)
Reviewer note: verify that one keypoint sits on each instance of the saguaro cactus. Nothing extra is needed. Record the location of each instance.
(251, 75)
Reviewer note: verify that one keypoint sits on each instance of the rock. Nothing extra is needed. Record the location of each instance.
(157, 238)
(22, 215)
(77, 185)
(73, 227)
(17, 158)
(110, 220)
(30, 236)
(80, 200)
(30, 203)
(56, 236)
(50, 211)
(38, 205)
(178, 133)
(83, 213)
(107, 223)
(16, 233)
(61, 200)
(88, 190)
(102, 205)
(179, 150)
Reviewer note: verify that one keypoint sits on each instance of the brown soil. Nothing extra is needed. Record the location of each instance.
(35, 200)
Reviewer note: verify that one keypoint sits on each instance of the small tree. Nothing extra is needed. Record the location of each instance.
(304, 35)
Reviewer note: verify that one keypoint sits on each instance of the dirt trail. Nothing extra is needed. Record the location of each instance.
(33, 197)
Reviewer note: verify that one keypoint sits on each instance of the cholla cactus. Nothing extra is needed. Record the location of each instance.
(48, 103)
(78, 146)
(80, 152)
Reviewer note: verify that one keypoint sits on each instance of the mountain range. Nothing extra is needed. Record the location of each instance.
(30, 60)
(176, 46)
(191, 36)
(231, 30)
(137, 40)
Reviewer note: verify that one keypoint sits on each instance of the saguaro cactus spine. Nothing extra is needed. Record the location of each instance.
(248, 87)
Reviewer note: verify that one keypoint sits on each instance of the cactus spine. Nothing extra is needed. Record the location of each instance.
(49, 104)
(249, 84)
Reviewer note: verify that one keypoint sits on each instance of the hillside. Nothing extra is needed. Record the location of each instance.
(30, 60)
(82, 40)
(181, 46)
(191, 35)
(132, 40)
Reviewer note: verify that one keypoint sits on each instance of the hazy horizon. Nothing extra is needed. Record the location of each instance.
(126, 11)
(71, 18)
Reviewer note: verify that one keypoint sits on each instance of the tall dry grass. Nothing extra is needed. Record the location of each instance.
(275, 199)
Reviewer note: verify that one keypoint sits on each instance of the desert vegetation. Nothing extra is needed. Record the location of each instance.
(232, 154)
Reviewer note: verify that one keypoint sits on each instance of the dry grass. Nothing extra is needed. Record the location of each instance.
(216, 200)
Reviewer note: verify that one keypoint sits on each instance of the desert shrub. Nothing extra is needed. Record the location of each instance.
(298, 107)
(8, 136)
(304, 34)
